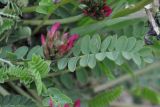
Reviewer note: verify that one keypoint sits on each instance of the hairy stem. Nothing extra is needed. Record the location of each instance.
(50, 22)
(6, 61)
(133, 9)
(3, 91)
(18, 89)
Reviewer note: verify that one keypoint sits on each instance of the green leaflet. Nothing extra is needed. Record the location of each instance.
(105, 98)
(21, 52)
(82, 75)
(18, 34)
(40, 68)
(72, 63)
(62, 63)
(3, 75)
(106, 70)
(6, 25)
(40, 65)
(33, 71)
(113, 48)
(47, 6)
(16, 101)
(95, 43)
(67, 81)
(148, 94)
(85, 43)
(37, 50)
(57, 97)
(106, 43)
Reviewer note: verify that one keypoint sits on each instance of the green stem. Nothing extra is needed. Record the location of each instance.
(5, 61)
(34, 94)
(40, 25)
(130, 10)
(50, 22)
(19, 90)
(126, 77)
(3, 91)
(29, 9)
(23, 93)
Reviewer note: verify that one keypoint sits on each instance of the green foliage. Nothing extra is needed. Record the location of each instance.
(6, 25)
(113, 48)
(66, 80)
(39, 68)
(16, 101)
(48, 6)
(45, 6)
(97, 26)
(105, 98)
(148, 93)
(34, 71)
(17, 72)
(22, 53)
(129, 10)
(37, 50)
(106, 70)
(57, 96)
(82, 75)
(102, 46)
(18, 34)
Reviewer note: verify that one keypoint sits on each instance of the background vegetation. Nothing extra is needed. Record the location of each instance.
(105, 62)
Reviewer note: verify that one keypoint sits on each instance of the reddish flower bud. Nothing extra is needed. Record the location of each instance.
(66, 105)
(64, 37)
(73, 37)
(107, 10)
(97, 9)
(51, 102)
(62, 49)
(77, 103)
(71, 41)
(53, 29)
(43, 39)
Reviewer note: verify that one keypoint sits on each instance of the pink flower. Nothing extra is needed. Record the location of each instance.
(77, 103)
(65, 37)
(107, 10)
(74, 37)
(43, 39)
(67, 46)
(55, 42)
(66, 105)
(51, 102)
(71, 41)
(53, 29)
(62, 49)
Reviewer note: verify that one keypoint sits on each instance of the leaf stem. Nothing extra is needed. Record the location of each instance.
(19, 90)
(6, 61)
(3, 91)
(50, 22)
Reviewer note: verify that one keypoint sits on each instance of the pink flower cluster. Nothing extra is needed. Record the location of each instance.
(97, 9)
(54, 42)
(77, 103)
